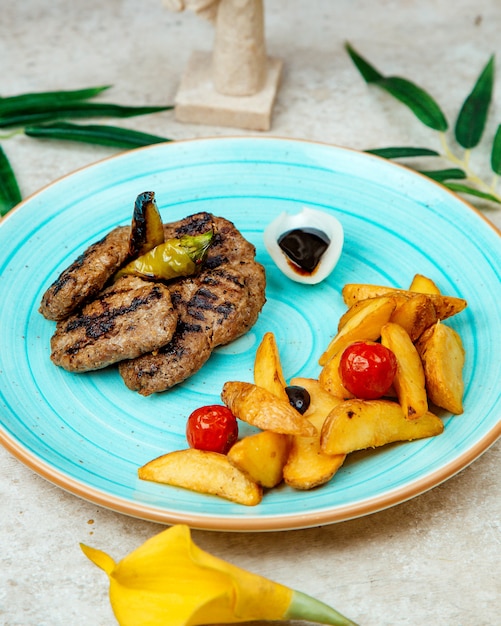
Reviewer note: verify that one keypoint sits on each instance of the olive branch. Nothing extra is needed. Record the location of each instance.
(468, 128)
(42, 115)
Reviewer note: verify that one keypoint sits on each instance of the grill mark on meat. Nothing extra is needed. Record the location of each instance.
(184, 355)
(211, 277)
(193, 225)
(95, 326)
(205, 300)
(214, 262)
(176, 348)
(202, 300)
(128, 319)
(66, 276)
(86, 276)
(214, 307)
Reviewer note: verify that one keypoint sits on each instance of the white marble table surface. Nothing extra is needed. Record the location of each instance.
(432, 560)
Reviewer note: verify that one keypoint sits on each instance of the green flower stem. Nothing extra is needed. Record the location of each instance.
(464, 163)
(466, 157)
(304, 607)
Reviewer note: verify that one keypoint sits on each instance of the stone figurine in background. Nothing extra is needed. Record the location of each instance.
(237, 83)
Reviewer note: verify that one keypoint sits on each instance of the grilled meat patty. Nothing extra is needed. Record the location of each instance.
(127, 319)
(214, 307)
(87, 275)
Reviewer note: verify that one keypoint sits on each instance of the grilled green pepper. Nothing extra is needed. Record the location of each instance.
(147, 230)
(172, 259)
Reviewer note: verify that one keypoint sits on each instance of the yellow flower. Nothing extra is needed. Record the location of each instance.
(169, 581)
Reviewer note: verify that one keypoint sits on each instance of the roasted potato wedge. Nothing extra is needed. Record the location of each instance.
(204, 472)
(307, 466)
(445, 306)
(268, 371)
(423, 284)
(409, 381)
(362, 304)
(265, 455)
(358, 424)
(330, 378)
(443, 356)
(354, 292)
(262, 457)
(415, 315)
(259, 407)
(365, 325)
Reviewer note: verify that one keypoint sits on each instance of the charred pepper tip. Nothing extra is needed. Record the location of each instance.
(147, 229)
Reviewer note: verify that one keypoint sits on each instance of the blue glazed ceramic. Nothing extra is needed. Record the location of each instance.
(88, 433)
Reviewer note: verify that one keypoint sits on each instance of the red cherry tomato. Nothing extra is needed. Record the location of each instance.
(213, 428)
(367, 369)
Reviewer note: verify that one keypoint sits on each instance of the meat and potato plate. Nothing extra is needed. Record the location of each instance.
(426, 376)
(156, 299)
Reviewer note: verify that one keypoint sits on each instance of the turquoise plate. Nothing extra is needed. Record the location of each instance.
(88, 433)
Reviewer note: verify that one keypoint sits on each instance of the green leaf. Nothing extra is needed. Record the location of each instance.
(459, 188)
(70, 110)
(9, 189)
(94, 133)
(417, 100)
(453, 173)
(496, 152)
(472, 117)
(368, 71)
(40, 101)
(400, 152)
(424, 107)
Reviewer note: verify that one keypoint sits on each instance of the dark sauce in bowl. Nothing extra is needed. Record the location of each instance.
(304, 247)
